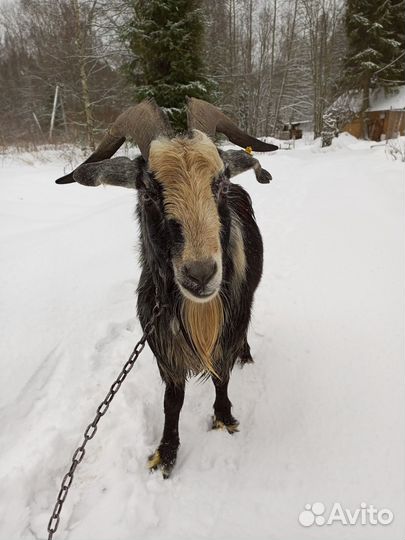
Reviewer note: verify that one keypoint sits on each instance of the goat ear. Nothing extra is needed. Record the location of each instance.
(120, 171)
(239, 161)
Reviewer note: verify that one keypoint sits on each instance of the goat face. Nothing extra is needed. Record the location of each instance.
(183, 183)
(190, 183)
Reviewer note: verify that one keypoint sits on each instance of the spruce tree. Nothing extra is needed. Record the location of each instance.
(375, 42)
(166, 39)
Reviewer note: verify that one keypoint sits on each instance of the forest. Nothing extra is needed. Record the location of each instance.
(68, 67)
(317, 450)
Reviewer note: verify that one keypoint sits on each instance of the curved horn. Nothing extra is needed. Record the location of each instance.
(142, 122)
(209, 119)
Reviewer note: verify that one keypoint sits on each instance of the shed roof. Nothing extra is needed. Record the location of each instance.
(379, 101)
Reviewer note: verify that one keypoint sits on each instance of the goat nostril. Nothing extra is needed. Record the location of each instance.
(200, 272)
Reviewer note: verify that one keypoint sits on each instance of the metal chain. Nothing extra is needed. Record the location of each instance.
(101, 410)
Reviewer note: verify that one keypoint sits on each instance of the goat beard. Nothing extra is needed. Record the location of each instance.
(203, 323)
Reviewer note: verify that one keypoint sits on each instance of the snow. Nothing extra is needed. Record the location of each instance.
(380, 101)
(321, 410)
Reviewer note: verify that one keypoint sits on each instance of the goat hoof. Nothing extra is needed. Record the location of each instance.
(231, 426)
(164, 459)
(154, 461)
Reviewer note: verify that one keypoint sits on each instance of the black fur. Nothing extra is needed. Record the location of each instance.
(157, 242)
(159, 238)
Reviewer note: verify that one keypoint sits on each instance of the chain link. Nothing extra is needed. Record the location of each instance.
(101, 410)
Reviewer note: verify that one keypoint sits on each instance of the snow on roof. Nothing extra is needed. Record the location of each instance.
(379, 101)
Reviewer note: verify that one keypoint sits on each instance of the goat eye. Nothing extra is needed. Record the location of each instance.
(225, 185)
(146, 197)
(176, 231)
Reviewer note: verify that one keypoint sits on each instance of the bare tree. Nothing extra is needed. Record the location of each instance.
(322, 19)
(273, 62)
(38, 54)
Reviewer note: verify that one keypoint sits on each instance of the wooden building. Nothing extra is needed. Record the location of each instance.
(292, 130)
(385, 118)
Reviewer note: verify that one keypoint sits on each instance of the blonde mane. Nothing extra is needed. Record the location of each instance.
(203, 323)
(185, 167)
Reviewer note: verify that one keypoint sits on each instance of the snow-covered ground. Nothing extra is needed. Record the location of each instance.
(321, 411)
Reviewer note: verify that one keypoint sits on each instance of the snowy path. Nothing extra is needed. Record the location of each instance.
(321, 411)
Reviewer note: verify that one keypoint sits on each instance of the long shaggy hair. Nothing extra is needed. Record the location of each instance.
(203, 323)
(185, 168)
(194, 338)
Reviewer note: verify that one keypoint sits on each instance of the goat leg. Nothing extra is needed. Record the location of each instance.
(223, 418)
(165, 456)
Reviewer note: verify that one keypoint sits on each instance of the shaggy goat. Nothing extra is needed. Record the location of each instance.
(201, 249)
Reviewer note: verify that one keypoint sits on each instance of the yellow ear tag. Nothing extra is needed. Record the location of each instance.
(249, 150)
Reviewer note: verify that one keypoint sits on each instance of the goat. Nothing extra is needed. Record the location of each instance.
(201, 249)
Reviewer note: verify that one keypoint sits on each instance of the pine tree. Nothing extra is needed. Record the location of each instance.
(166, 38)
(395, 74)
(375, 42)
